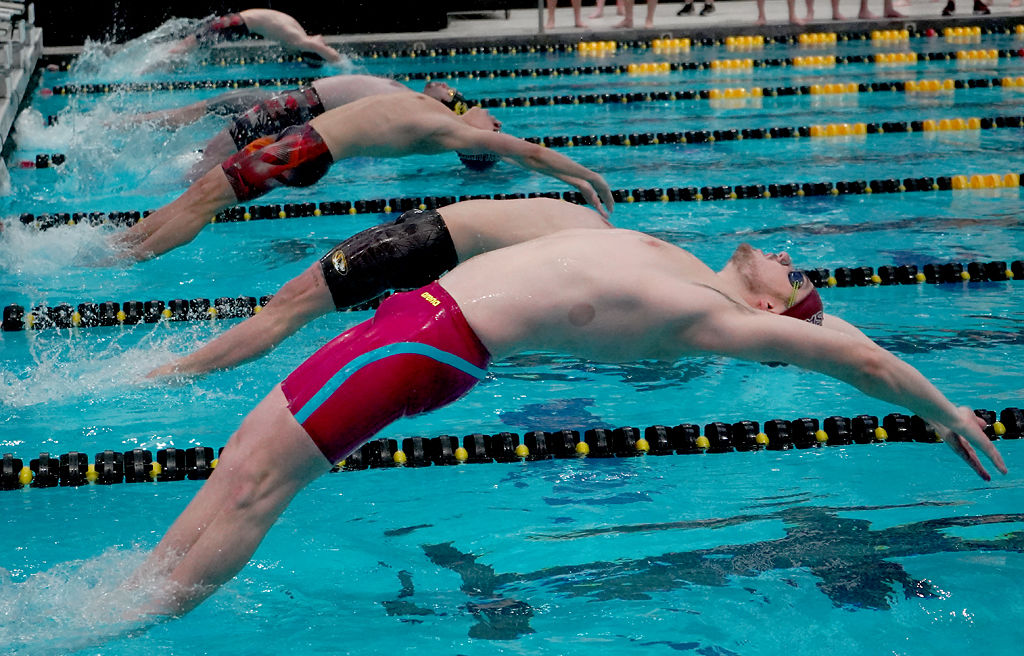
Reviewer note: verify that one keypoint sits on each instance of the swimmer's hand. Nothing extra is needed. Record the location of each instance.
(596, 192)
(968, 431)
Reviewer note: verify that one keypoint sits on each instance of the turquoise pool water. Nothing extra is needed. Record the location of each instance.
(891, 548)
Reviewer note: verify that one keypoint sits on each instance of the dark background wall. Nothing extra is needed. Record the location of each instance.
(70, 23)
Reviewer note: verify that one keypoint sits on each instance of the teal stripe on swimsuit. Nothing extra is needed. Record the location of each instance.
(399, 348)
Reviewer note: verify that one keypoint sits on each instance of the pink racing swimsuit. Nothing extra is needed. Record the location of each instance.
(416, 354)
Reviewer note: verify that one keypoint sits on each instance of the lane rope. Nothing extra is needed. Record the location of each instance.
(954, 35)
(959, 183)
(726, 97)
(109, 467)
(723, 66)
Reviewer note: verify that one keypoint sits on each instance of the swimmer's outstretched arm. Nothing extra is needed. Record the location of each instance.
(535, 158)
(298, 302)
(180, 221)
(765, 337)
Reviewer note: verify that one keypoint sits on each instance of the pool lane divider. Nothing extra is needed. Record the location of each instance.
(109, 467)
(42, 161)
(959, 183)
(953, 35)
(964, 58)
(112, 313)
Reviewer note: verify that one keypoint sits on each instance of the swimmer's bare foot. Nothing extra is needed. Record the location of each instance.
(326, 51)
(597, 14)
(550, 25)
(626, 22)
(836, 16)
(761, 20)
(170, 375)
(793, 20)
(161, 372)
(580, 23)
(866, 15)
(809, 17)
(892, 13)
(649, 24)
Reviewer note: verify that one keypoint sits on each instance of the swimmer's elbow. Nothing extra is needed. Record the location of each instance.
(873, 366)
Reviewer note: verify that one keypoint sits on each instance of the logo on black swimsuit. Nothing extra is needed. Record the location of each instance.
(340, 262)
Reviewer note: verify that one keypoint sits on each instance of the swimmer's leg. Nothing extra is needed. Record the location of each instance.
(411, 252)
(268, 460)
(168, 118)
(216, 150)
(297, 157)
(298, 302)
(179, 221)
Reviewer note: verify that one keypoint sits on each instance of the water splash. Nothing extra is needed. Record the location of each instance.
(65, 370)
(77, 604)
(108, 61)
(93, 142)
(26, 251)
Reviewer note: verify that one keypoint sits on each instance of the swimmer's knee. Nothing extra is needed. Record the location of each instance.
(302, 298)
(252, 467)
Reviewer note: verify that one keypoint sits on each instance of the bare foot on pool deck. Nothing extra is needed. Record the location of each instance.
(626, 22)
(866, 15)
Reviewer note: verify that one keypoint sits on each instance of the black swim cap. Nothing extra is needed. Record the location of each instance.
(457, 103)
(481, 162)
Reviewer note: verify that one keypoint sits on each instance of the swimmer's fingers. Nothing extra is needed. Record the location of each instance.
(589, 195)
(967, 434)
(605, 192)
(961, 447)
(974, 430)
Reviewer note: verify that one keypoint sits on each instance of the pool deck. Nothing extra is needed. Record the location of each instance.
(19, 53)
(731, 17)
